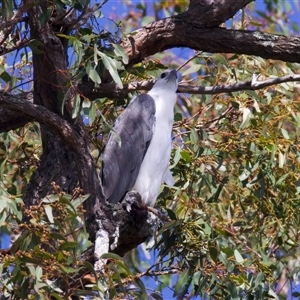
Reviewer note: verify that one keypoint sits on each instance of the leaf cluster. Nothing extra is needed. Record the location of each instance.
(44, 255)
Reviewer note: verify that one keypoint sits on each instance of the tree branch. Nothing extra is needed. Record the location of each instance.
(9, 120)
(209, 13)
(178, 32)
(111, 90)
(7, 27)
(86, 14)
(34, 112)
(252, 84)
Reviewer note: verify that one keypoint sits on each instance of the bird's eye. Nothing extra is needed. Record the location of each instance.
(163, 75)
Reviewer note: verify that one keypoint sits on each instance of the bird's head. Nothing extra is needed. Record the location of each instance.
(167, 80)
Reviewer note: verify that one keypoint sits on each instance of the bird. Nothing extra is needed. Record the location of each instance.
(136, 156)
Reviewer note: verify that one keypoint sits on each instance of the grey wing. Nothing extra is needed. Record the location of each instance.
(126, 147)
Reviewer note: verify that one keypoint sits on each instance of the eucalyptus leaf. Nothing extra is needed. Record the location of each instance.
(112, 66)
(119, 51)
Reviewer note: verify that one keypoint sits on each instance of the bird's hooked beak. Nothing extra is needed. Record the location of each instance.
(174, 74)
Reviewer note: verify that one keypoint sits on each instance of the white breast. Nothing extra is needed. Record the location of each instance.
(156, 160)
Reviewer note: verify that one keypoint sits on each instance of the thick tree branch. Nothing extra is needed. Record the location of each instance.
(9, 120)
(179, 32)
(38, 113)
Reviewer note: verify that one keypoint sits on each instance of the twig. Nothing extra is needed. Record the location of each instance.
(190, 59)
(111, 89)
(252, 84)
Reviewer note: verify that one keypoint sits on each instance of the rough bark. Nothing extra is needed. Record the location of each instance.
(9, 121)
(178, 32)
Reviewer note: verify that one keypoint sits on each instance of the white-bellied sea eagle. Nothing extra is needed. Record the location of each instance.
(138, 150)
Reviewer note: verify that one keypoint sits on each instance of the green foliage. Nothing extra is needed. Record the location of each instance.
(19, 155)
(44, 258)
